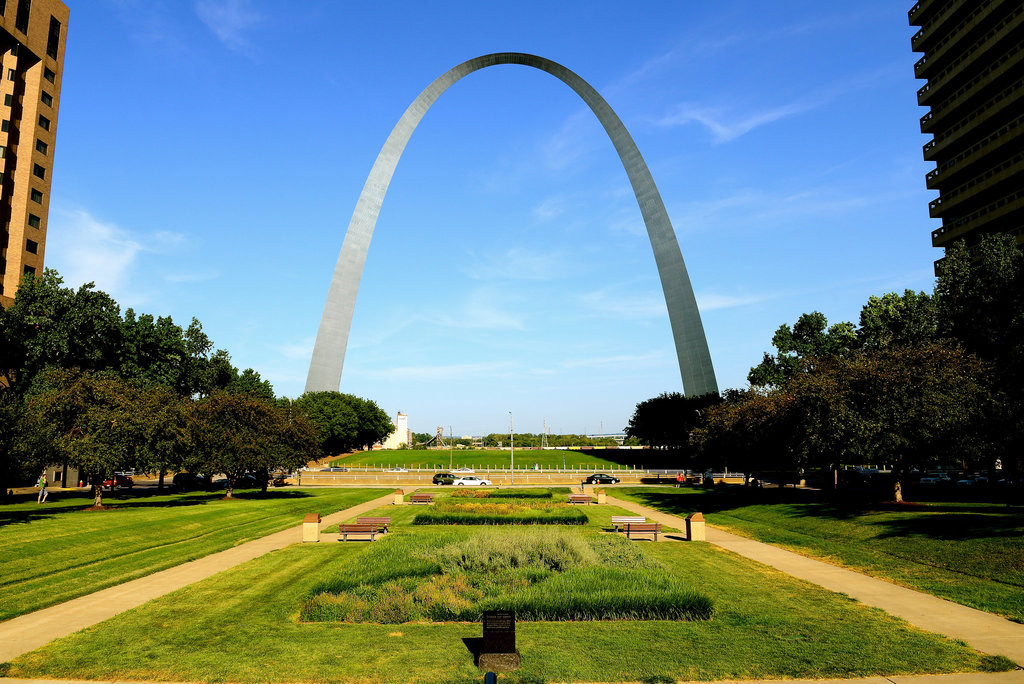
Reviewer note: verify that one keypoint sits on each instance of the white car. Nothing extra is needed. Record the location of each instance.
(471, 480)
(463, 469)
(395, 470)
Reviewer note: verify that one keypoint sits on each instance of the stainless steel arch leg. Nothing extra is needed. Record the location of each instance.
(695, 368)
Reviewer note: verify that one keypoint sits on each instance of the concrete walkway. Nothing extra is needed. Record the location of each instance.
(985, 632)
(28, 632)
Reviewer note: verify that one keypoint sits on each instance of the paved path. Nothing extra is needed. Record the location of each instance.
(28, 632)
(985, 632)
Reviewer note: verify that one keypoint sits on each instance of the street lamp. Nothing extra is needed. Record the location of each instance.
(512, 444)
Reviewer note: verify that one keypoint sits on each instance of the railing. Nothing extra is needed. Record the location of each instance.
(934, 81)
(927, 25)
(1017, 197)
(958, 193)
(983, 6)
(1002, 64)
(974, 117)
(963, 156)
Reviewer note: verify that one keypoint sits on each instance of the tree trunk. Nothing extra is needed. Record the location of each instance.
(97, 494)
(160, 482)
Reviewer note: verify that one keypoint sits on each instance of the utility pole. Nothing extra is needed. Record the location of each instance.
(451, 451)
(512, 443)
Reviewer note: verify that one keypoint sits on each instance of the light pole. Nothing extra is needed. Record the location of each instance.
(512, 444)
(451, 447)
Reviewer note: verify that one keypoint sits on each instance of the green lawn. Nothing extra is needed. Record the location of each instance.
(971, 553)
(241, 625)
(418, 458)
(56, 551)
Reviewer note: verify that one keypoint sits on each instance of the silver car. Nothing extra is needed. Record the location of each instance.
(471, 480)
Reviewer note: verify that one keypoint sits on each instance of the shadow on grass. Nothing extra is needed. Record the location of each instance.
(71, 501)
(946, 520)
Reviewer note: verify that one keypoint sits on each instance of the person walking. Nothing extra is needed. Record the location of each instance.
(42, 488)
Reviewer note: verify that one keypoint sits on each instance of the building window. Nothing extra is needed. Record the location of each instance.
(3, 6)
(8, 99)
(33, 220)
(37, 196)
(54, 39)
(30, 270)
(4, 125)
(44, 123)
(31, 246)
(49, 74)
(47, 99)
(41, 146)
(3, 151)
(11, 74)
(21, 19)
(39, 171)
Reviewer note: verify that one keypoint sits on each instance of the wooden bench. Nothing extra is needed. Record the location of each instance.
(580, 499)
(381, 523)
(421, 498)
(620, 520)
(346, 529)
(642, 528)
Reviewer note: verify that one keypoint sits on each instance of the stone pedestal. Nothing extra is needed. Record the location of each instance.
(399, 496)
(602, 498)
(311, 528)
(695, 527)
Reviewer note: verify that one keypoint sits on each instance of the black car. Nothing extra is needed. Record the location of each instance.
(601, 478)
(444, 478)
(184, 482)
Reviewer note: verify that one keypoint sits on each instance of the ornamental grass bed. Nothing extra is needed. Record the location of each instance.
(550, 575)
(480, 511)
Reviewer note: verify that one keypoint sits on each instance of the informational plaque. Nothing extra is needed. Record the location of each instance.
(499, 631)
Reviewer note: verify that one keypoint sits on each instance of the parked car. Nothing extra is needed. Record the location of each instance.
(601, 478)
(334, 469)
(929, 481)
(471, 480)
(246, 481)
(395, 470)
(444, 479)
(966, 482)
(119, 480)
(463, 469)
(186, 481)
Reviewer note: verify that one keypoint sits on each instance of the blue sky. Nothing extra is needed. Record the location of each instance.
(210, 153)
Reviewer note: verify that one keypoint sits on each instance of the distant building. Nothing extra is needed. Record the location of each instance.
(401, 435)
(975, 71)
(32, 34)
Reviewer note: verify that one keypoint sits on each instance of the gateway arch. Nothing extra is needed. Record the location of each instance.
(698, 375)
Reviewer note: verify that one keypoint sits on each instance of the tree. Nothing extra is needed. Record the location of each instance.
(667, 419)
(810, 337)
(344, 422)
(161, 424)
(249, 382)
(980, 294)
(893, 319)
(89, 419)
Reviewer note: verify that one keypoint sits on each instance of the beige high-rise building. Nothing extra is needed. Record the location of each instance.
(32, 36)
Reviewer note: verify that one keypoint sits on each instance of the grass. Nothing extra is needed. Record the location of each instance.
(460, 510)
(541, 574)
(491, 458)
(56, 551)
(970, 553)
(241, 626)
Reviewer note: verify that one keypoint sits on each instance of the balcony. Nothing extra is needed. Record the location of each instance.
(956, 35)
(999, 209)
(979, 150)
(990, 75)
(930, 27)
(950, 201)
(960, 65)
(982, 115)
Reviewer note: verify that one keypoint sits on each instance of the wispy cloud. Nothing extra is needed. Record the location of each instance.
(192, 277)
(726, 123)
(517, 263)
(625, 360)
(85, 249)
(230, 21)
(726, 126)
(450, 372)
(710, 301)
(611, 301)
